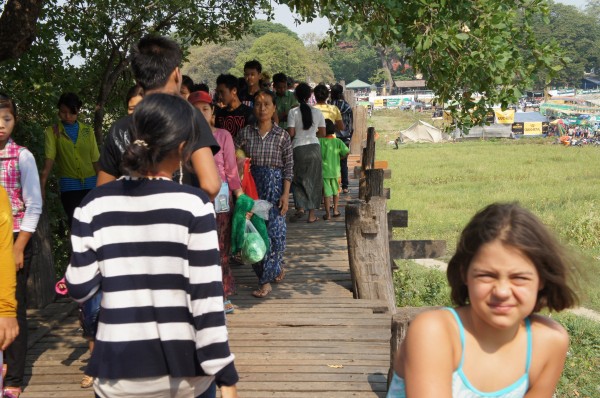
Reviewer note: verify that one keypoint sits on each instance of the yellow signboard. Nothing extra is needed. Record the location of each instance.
(533, 128)
(447, 117)
(505, 117)
(378, 103)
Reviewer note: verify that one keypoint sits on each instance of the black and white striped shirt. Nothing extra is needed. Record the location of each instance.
(151, 246)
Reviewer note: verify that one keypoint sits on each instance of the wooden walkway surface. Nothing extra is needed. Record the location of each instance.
(308, 338)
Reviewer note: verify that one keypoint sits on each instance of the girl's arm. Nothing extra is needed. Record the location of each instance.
(291, 126)
(83, 275)
(321, 132)
(231, 170)
(204, 166)
(550, 346)
(32, 198)
(291, 131)
(428, 361)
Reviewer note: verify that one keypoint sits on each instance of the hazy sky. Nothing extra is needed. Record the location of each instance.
(284, 16)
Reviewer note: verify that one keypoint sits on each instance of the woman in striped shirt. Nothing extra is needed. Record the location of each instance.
(151, 246)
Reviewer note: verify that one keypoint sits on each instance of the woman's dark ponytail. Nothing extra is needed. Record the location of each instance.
(302, 92)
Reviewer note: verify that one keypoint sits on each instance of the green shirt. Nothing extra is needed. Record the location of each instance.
(73, 160)
(284, 104)
(332, 150)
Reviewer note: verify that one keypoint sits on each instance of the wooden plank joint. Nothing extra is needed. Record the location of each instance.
(408, 249)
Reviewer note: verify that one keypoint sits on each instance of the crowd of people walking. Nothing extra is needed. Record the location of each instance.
(150, 215)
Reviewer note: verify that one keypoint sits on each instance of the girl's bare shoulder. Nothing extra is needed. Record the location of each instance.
(547, 327)
(437, 322)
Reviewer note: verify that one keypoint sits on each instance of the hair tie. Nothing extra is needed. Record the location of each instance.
(140, 143)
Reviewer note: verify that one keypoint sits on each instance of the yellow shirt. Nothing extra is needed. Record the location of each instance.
(329, 111)
(73, 160)
(8, 273)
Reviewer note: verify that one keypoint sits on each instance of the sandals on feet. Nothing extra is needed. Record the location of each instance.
(229, 307)
(11, 392)
(296, 217)
(87, 381)
(326, 218)
(280, 277)
(337, 214)
(262, 291)
(315, 220)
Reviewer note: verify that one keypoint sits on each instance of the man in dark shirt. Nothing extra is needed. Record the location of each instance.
(234, 115)
(155, 64)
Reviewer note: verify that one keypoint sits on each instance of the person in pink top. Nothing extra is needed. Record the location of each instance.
(231, 184)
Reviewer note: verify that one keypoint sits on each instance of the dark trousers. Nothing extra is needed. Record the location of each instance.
(14, 356)
(344, 171)
(210, 393)
(70, 200)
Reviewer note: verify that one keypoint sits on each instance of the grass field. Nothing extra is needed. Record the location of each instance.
(443, 185)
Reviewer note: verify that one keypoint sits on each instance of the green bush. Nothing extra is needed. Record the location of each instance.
(417, 286)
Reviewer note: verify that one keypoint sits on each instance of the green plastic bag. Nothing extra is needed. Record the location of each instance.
(253, 247)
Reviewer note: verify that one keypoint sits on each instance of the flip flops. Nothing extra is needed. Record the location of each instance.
(262, 291)
(315, 220)
(280, 277)
(228, 306)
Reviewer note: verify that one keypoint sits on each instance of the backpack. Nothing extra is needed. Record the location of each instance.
(347, 118)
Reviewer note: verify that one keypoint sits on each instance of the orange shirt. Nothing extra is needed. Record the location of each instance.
(8, 273)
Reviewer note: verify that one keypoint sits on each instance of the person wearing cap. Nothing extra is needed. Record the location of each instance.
(228, 172)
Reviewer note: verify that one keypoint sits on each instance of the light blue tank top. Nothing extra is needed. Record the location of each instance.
(461, 386)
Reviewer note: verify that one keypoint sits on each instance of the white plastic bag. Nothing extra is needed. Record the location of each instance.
(222, 199)
(253, 248)
(261, 208)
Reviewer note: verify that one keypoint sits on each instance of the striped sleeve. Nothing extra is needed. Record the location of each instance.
(206, 293)
(83, 274)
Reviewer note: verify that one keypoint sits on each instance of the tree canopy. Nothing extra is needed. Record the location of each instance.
(461, 48)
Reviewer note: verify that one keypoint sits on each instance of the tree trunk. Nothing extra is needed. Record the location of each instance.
(109, 79)
(17, 27)
(386, 65)
(42, 277)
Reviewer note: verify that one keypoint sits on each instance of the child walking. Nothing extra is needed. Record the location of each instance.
(19, 177)
(231, 184)
(506, 268)
(332, 150)
(151, 246)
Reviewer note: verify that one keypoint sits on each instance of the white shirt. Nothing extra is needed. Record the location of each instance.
(305, 137)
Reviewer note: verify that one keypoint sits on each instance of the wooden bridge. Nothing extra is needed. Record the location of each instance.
(308, 338)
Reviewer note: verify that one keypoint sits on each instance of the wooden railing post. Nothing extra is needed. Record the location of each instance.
(368, 251)
(400, 322)
(42, 277)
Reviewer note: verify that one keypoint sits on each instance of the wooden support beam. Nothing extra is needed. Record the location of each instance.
(407, 249)
(398, 218)
(373, 185)
(368, 160)
(368, 251)
(387, 173)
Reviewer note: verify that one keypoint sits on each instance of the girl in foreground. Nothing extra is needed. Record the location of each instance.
(507, 267)
(151, 246)
(19, 177)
